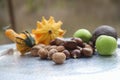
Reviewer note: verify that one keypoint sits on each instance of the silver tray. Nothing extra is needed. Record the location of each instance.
(15, 67)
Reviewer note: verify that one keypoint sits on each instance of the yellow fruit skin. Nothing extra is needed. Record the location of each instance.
(47, 30)
(22, 45)
(11, 34)
(20, 40)
(22, 48)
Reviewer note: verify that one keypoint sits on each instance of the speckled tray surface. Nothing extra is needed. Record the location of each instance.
(15, 67)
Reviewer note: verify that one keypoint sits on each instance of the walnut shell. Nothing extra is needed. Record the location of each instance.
(59, 57)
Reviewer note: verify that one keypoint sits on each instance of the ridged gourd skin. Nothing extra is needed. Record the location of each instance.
(24, 40)
(47, 30)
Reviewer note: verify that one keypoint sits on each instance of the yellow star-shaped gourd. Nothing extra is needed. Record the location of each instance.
(47, 30)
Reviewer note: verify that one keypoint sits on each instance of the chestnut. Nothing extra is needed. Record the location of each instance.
(57, 41)
(87, 52)
(79, 48)
(92, 45)
(53, 42)
(89, 46)
(70, 45)
(76, 53)
(67, 53)
(78, 41)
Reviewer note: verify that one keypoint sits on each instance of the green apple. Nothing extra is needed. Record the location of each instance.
(106, 45)
(84, 34)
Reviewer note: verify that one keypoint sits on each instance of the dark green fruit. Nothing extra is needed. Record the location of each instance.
(103, 30)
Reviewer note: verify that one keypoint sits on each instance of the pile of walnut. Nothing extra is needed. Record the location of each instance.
(60, 49)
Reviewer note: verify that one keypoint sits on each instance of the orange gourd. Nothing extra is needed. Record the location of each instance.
(24, 41)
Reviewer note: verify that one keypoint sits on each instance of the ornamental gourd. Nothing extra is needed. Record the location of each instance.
(47, 30)
(24, 41)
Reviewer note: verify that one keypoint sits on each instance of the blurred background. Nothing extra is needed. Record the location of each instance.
(75, 14)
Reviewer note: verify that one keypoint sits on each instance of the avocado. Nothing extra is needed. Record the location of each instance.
(103, 30)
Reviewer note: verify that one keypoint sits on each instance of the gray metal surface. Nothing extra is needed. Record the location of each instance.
(15, 67)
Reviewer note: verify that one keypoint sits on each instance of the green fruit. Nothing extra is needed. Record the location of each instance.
(103, 30)
(106, 45)
(84, 34)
